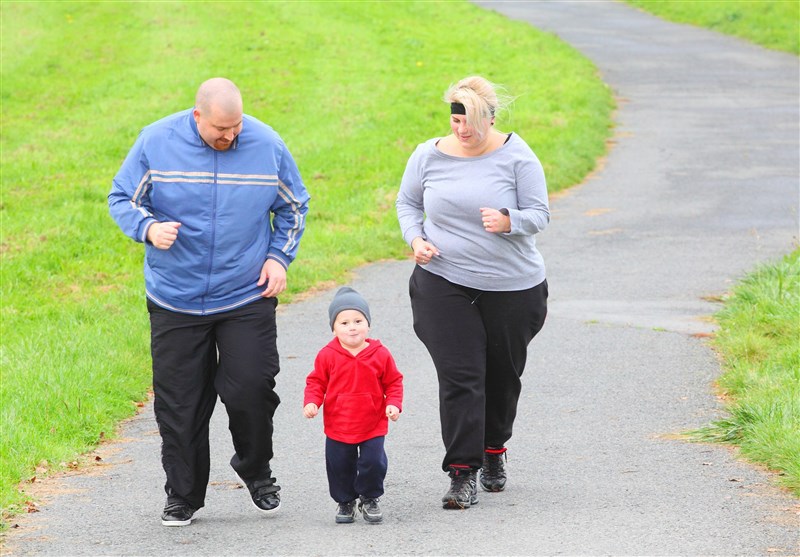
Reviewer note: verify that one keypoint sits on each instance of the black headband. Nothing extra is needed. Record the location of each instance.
(458, 108)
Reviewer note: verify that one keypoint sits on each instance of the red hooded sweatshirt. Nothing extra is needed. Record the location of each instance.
(355, 390)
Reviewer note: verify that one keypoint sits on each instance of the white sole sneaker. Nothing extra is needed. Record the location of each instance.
(176, 522)
(247, 490)
(186, 522)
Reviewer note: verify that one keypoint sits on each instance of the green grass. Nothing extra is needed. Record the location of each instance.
(774, 24)
(351, 87)
(759, 340)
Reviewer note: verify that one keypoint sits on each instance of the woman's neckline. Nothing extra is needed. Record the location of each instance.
(471, 157)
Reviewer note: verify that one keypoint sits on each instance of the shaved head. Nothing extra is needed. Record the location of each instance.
(218, 112)
(218, 93)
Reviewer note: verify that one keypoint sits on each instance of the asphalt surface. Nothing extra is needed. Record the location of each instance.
(700, 186)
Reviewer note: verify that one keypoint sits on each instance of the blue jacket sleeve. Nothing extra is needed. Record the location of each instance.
(288, 212)
(128, 201)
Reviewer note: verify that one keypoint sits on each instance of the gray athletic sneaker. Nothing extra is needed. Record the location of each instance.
(346, 512)
(493, 473)
(463, 491)
(370, 510)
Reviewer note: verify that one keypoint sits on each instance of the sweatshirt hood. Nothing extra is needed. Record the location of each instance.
(373, 345)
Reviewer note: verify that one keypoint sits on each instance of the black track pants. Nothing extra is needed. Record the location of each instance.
(195, 358)
(478, 341)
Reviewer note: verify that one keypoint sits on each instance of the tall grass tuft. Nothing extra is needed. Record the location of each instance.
(759, 340)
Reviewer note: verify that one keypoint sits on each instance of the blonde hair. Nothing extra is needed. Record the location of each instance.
(480, 98)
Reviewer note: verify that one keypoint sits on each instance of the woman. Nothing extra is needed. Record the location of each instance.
(470, 205)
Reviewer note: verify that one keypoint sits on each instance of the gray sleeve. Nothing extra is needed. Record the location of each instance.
(409, 203)
(532, 214)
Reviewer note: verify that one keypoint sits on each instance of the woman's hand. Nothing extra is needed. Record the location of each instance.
(494, 221)
(423, 250)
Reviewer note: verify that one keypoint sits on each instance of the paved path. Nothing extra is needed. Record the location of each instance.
(701, 185)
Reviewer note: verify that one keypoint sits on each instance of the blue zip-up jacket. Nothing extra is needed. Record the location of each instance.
(236, 208)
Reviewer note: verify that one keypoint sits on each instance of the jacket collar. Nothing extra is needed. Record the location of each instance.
(200, 141)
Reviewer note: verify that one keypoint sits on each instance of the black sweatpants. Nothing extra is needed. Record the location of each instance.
(195, 358)
(478, 341)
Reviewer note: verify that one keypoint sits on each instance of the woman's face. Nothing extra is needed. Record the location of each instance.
(467, 135)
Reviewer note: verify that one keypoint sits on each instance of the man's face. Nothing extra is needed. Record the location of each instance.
(218, 128)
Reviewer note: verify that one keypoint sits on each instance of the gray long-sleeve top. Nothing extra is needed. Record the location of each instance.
(440, 199)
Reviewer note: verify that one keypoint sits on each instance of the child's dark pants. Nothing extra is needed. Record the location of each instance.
(356, 469)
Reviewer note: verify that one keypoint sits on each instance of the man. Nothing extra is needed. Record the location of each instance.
(218, 202)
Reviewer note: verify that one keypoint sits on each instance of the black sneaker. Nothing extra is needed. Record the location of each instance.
(346, 513)
(370, 510)
(264, 494)
(463, 490)
(177, 514)
(493, 473)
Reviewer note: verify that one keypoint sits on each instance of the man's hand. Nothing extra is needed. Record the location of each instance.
(163, 234)
(273, 272)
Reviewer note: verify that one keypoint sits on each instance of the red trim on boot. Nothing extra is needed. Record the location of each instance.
(492, 450)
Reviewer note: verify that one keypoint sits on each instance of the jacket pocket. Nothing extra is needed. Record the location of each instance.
(355, 413)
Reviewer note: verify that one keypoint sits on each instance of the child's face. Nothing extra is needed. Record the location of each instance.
(351, 328)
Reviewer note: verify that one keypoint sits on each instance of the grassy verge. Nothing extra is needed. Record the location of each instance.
(770, 23)
(759, 340)
(352, 88)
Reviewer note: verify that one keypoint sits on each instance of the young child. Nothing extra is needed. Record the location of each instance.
(361, 387)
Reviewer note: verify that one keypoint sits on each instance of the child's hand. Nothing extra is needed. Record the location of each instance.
(392, 412)
(310, 410)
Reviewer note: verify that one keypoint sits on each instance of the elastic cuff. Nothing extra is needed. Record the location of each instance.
(279, 258)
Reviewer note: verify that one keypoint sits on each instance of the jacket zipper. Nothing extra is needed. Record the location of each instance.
(213, 231)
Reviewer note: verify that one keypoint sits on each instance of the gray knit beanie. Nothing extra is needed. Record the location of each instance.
(347, 298)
